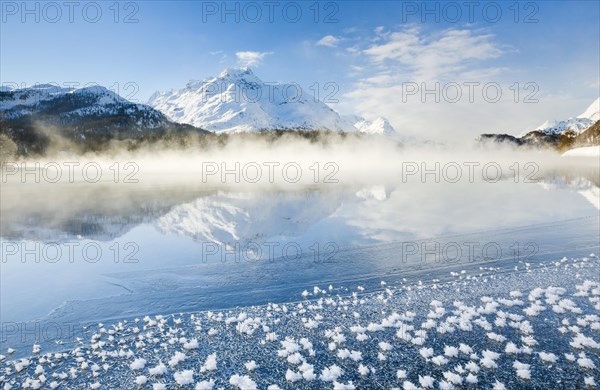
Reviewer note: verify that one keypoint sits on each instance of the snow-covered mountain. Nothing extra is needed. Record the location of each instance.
(33, 118)
(238, 101)
(73, 104)
(378, 126)
(580, 131)
(577, 124)
(592, 112)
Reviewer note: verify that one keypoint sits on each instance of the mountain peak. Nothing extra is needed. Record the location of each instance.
(593, 111)
(46, 88)
(378, 126)
(578, 124)
(228, 75)
(69, 103)
(236, 76)
(90, 113)
(236, 72)
(97, 90)
(237, 101)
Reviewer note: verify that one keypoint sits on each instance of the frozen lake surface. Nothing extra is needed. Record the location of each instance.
(81, 260)
(490, 329)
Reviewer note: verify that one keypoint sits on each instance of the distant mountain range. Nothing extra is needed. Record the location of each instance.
(238, 101)
(578, 124)
(235, 101)
(579, 131)
(379, 126)
(33, 117)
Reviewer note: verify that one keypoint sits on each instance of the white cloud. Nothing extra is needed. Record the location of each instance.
(353, 51)
(411, 56)
(422, 117)
(432, 56)
(380, 33)
(251, 58)
(329, 41)
(379, 30)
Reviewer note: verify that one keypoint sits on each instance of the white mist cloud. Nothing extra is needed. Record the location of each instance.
(329, 41)
(251, 58)
(393, 62)
(431, 56)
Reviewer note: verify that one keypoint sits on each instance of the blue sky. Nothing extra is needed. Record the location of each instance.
(371, 50)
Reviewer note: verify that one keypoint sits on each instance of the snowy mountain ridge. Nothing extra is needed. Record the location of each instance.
(82, 102)
(593, 111)
(36, 119)
(238, 101)
(234, 101)
(378, 126)
(577, 124)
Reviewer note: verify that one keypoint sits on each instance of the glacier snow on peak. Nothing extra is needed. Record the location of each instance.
(239, 101)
